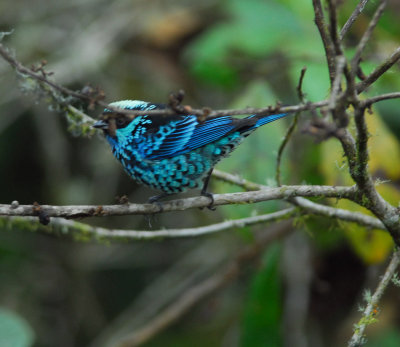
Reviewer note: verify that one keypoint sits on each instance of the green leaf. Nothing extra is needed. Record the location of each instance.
(262, 315)
(14, 330)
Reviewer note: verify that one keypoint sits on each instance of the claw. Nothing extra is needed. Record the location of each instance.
(154, 200)
(209, 195)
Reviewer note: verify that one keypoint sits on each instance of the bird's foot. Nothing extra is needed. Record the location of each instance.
(209, 195)
(155, 200)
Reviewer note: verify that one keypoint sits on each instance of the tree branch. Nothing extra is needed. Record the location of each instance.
(333, 27)
(290, 130)
(84, 232)
(39, 76)
(357, 157)
(368, 316)
(339, 213)
(367, 35)
(357, 11)
(80, 211)
(306, 205)
(379, 71)
(340, 63)
(42, 77)
(282, 146)
(326, 39)
(368, 102)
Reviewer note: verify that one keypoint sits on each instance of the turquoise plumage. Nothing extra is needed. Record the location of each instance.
(174, 153)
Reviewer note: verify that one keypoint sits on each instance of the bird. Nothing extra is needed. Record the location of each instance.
(174, 153)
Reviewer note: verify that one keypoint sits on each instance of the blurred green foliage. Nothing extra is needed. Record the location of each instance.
(389, 338)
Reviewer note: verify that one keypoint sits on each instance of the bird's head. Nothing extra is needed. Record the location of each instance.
(111, 120)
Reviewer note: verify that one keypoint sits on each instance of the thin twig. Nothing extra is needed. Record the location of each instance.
(39, 76)
(326, 40)
(339, 102)
(336, 85)
(306, 205)
(299, 88)
(368, 102)
(339, 213)
(237, 180)
(357, 339)
(379, 71)
(162, 112)
(367, 35)
(213, 113)
(290, 130)
(284, 142)
(333, 26)
(84, 232)
(341, 67)
(357, 11)
(84, 117)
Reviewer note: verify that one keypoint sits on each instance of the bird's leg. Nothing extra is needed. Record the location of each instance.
(154, 200)
(208, 194)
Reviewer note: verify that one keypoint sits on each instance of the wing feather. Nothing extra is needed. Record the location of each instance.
(188, 134)
(171, 138)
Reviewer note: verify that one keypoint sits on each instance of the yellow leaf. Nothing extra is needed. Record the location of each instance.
(372, 246)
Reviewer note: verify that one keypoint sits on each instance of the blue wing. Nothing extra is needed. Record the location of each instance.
(210, 131)
(171, 138)
(188, 134)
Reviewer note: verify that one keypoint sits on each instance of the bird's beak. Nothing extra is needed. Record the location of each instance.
(100, 124)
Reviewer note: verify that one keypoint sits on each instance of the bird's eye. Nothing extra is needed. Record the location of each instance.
(120, 122)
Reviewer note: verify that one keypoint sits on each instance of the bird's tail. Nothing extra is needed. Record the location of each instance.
(262, 120)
